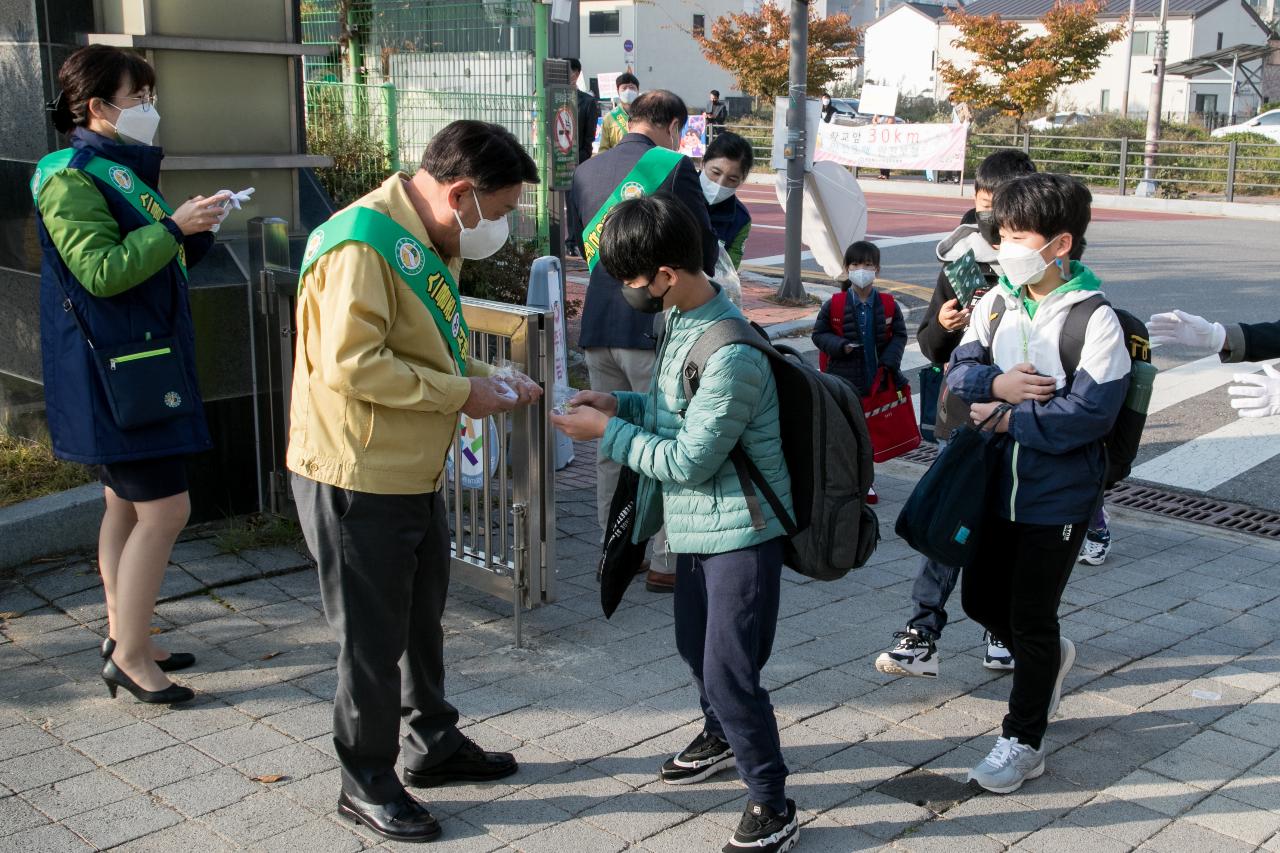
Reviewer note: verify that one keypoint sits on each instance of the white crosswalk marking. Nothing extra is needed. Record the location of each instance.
(1212, 459)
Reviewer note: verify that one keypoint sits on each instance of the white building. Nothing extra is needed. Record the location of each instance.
(906, 44)
(663, 52)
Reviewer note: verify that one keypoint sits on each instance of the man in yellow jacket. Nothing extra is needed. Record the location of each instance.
(381, 373)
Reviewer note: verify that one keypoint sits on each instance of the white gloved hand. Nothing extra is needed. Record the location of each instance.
(233, 202)
(1259, 397)
(1179, 327)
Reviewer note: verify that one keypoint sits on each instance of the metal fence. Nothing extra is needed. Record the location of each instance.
(1180, 166)
(400, 71)
(503, 527)
(760, 136)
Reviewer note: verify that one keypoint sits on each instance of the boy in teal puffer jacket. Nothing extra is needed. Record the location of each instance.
(728, 574)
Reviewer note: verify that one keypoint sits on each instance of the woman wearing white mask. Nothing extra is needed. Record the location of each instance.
(118, 343)
(725, 167)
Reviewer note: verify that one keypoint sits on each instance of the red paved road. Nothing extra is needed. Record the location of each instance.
(888, 216)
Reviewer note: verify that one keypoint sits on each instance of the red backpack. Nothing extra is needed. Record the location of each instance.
(838, 302)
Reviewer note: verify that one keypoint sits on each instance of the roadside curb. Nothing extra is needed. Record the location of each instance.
(64, 522)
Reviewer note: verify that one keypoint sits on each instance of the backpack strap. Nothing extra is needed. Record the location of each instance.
(838, 302)
(1071, 339)
(887, 301)
(736, 330)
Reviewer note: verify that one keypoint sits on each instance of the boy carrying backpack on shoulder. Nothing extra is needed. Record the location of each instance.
(914, 651)
(1052, 465)
(728, 575)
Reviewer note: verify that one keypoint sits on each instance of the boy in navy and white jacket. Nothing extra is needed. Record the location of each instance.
(1049, 473)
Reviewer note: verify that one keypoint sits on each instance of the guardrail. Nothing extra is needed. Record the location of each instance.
(1180, 166)
(503, 522)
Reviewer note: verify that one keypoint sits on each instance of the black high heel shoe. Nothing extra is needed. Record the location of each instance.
(115, 678)
(174, 662)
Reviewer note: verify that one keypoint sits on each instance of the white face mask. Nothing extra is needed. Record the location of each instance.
(1023, 266)
(487, 237)
(137, 124)
(861, 278)
(628, 95)
(713, 192)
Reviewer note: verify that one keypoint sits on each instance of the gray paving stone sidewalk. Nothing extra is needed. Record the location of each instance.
(1167, 738)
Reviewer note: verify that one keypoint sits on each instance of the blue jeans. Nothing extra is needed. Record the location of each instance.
(726, 609)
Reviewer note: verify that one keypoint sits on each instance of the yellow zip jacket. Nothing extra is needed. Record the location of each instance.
(376, 392)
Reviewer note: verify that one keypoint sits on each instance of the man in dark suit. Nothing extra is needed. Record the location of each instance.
(619, 341)
(588, 112)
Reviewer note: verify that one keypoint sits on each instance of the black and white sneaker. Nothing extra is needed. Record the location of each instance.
(912, 654)
(762, 830)
(998, 656)
(702, 759)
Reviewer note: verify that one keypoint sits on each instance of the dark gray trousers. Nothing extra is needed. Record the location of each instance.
(384, 578)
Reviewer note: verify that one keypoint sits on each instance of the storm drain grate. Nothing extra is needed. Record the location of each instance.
(1157, 501)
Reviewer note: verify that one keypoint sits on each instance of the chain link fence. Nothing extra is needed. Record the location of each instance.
(398, 72)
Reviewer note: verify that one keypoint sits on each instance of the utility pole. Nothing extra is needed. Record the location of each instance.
(1147, 187)
(792, 286)
(1128, 60)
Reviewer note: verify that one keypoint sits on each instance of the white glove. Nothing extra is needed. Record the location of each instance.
(233, 202)
(1179, 327)
(1259, 397)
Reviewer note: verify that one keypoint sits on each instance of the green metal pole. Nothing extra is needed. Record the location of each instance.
(391, 139)
(541, 47)
(355, 60)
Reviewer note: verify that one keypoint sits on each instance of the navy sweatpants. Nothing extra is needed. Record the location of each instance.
(726, 609)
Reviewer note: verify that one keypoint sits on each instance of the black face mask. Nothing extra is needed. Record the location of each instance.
(988, 228)
(642, 300)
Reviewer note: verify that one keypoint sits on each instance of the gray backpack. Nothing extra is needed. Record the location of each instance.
(828, 454)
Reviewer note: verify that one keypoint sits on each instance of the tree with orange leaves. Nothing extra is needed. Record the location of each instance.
(755, 47)
(1020, 73)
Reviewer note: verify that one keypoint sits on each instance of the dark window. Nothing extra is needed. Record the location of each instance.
(699, 25)
(603, 23)
(1219, 41)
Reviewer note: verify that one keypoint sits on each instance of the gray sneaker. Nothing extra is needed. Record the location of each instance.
(1068, 657)
(1007, 766)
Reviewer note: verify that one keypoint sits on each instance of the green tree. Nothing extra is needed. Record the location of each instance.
(755, 47)
(1019, 73)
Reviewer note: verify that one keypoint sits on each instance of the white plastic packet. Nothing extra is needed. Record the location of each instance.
(234, 201)
(726, 275)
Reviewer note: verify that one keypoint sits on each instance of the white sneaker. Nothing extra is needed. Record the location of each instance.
(1007, 766)
(998, 655)
(912, 654)
(1068, 651)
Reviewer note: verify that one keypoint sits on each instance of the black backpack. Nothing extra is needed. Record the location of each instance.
(1121, 443)
(828, 455)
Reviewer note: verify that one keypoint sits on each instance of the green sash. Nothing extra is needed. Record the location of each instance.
(141, 197)
(619, 117)
(419, 267)
(649, 173)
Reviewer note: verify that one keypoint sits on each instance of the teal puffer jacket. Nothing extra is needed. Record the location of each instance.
(686, 476)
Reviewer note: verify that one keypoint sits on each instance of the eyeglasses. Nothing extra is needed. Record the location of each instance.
(148, 100)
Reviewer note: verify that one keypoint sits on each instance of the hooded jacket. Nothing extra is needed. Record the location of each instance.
(1051, 463)
(937, 343)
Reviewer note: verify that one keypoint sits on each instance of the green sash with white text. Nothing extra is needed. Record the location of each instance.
(420, 268)
(133, 189)
(644, 179)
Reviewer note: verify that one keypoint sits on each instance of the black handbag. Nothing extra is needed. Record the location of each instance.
(145, 382)
(622, 558)
(942, 519)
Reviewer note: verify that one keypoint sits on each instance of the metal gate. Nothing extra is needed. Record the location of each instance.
(503, 529)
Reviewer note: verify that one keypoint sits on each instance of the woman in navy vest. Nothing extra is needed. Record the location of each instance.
(114, 273)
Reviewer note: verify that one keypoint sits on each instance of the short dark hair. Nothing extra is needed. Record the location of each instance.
(626, 77)
(659, 107)
(1001, 167)
(479, 151)
(862, 252)
(643, 234)
(92, 72)
(1044, 204)
(715, 92)
(731, 146)
(575, 64)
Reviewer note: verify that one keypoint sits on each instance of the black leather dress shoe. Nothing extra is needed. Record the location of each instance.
(469, 764)
(174, 662)
(405, 819)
